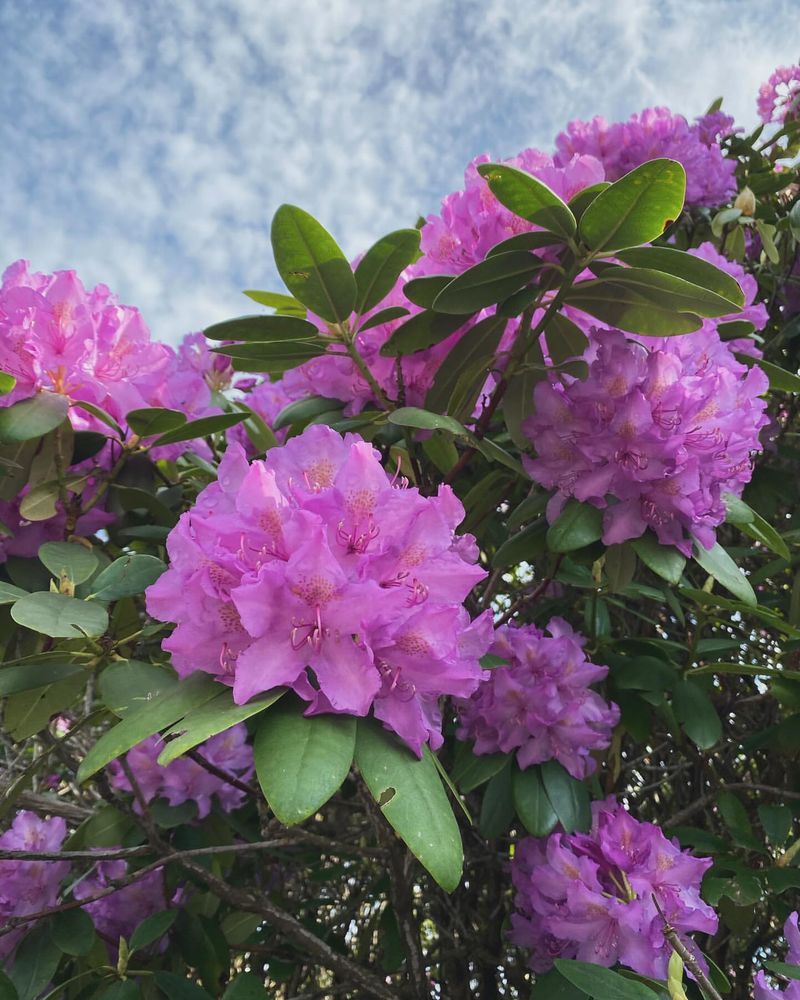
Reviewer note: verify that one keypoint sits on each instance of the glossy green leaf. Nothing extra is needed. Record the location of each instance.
(780, 380)
(636, 310)
(565, 339)
(28, 676)
(668, 290)
(412, 798)
(200, 428)
(600, 983)
(423, 291)
(664, 560)
(578, 525)
(381, 266)
(59, 616)
(28, 712)
(637, 208)
(754, 525)
(302, 760)
(568, 797)
(32, 418)
(487, 283)
(524, 545)
(582, 200)
(283, 304)
(529, 198)
(260, 328)
(532, 802)
(301, 411)
(694, 709)
(145, 721)
(35, 962)
(526, 241)
(154, 420)
(152, 929)
(214, 717)
(517, 405)
(497, 806)
(127, 576)
(388, 315)
(73, 932)
(472, 770)
(70, 559)
(785, 969)
(690, 268)
(553, 986)
(421, 331)
(457, 384)
(413, 416)
(311, 264)
(717, 563)
(273, 357)
(126, 685)
(9, 593)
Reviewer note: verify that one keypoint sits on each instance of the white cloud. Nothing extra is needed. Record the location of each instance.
(147, 145)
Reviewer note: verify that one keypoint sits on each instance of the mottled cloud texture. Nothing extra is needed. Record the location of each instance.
(147, 144)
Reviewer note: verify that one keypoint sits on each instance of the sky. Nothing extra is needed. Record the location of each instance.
(147, 143)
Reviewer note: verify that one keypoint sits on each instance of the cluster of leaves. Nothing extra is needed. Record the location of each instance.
(355, 869)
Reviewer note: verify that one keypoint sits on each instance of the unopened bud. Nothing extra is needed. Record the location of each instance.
(746, 202)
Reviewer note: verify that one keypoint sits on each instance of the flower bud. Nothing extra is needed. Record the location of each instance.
(746, 202)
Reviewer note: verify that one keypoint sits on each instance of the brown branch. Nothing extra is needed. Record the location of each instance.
(738, 786)
(223, 775)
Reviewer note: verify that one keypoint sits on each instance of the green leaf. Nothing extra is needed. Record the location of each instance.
(388, 315)
(472, 770)
(529, 198)
(32, 418)
(780, 380)
(75, 561)
(693, 708)
(582, 200)
(311, 264)
(421, 331)
(381, 266)
(600, 983)
(59, 616)
(274, 357)
(578, 525)
(302, 760)
(413, 416)
(568, 797)
(690, 268)
(175, 987)
(28, 676)
(619, 566)
(245, 986)
(73, 932)
(717, 563)
(127, 576)
(664, 560)
(777, 822)
(302, 411)
(147, 720)
(637, 208)
(526, 241)
(531, 801)
(101, 415)
(122, 989)
(411, 797)
(487, 283)
(28, 712)
(635, 310)
(783, 969)
(518, 405)
(154, 420)
(152, 929)
(260, 328)
(553, 986)
(126, 685)
(565, 339)
(35, 962)
(7, 383)
(458, 383)
(9, 593)
(284, 304)
(754, 525)
(525, 545)
(423, 291)
(212, 718)
(667, 290)
(200, 428)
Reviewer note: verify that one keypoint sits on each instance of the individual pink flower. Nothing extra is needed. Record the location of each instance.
(763, 991)
(315, 570)
(591, 896)
(655, 435)
(183, 779)
(778, 97)
(29, 886)
(541, 704)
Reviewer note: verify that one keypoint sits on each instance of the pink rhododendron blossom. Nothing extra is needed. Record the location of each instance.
(540, 704)
(315, 565)
(590, 896)
(184, 780)
(654, 133)
(119, 913)
(29, 886)
(779, 97)
(655, 435)
(763, 991)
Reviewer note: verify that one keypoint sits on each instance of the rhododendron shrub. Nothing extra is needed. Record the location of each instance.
(431, 631)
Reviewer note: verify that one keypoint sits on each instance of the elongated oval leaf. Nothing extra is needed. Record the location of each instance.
(780, 379)
(154, 420)
(412, 798)
(423, 291)
(695, 710)
(668, 290)
(664, 560)
(568, 797)
(301, 411)
(302, 760)
(597, 982)
(531, 801)
(526, 241)
(76, 561)
(9, 593)
(636, 310)
(717, 563)
(421, 331)
(283, 304)
(529, 198)
(413, 416)
(262, 328)
(59, 616)
(381, 266)
(690, 268)
(637, 208)
(200, 428)
(388, 315)
(578, 525)
(458, 382)
(125, 685)
(151, 929)
(127, 576)
(487, 283)
(311, 264)
(472, 770)
(145, 721)
(28, 676)
(32, 418)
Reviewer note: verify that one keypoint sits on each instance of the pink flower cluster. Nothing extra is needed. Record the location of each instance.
(29, 886)
(184, 780)
(653, 133)
(763, 991)
(779, 97)
(655, 435)
(540, 704)
(753, 312)
(313, 569)
(590, 896)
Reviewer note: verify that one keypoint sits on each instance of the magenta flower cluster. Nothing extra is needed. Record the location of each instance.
(763, 991)
(590, 896)
(29, 886)
(653, 133)
(185, 780)
(316, 570)
(541, 704)
(779, 97)
(657, 433)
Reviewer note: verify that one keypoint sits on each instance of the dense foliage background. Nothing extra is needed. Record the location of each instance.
(543, 620)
